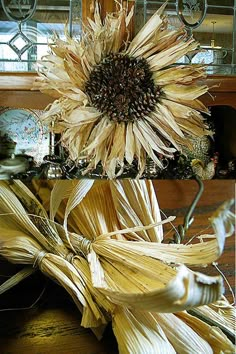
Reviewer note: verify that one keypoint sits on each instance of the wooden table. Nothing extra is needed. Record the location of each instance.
(53, 326)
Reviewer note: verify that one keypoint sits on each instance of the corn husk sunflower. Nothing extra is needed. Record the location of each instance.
(119, 101)
(106, 250)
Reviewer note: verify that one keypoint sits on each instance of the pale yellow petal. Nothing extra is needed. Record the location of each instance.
(116, 155)
(145, 33)
(188, 93)
(156, 121)
(154, 140)
(179, 75)
(145, 144)
(165, 39)
(129, 143)
(104, 132)
(171, 55)
(82, 115)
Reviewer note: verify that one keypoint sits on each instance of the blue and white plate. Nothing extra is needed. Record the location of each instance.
(22, 131)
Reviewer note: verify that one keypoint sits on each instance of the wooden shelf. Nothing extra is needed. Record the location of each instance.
(16, 91)
(222, 91)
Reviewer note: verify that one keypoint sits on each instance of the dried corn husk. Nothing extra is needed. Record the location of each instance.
(16, 278)
(222, 313)
(213, 335)
(115, 250)
(87, 129)
(126, 346)
(147, 33)
(108, 274)
(103, 247)
(136, 204)
(17, 217)
(183, 338)
(18, 247)
(146, 333)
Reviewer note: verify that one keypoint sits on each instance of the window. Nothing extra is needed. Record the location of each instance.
(27, 26)
(24, 42)
(212, 22)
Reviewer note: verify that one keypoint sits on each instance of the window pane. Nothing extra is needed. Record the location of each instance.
(216, 32)
(145, 10)
(221, 3)
(29, 41)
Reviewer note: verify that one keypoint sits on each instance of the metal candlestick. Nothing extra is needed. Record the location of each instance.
(52, 167)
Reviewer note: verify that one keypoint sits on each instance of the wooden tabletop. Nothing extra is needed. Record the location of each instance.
(52, 326)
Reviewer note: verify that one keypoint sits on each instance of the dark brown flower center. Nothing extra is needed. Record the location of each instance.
(123, 88)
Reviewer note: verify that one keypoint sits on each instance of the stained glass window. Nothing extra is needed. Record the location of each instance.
(27, 26)
(213, 24)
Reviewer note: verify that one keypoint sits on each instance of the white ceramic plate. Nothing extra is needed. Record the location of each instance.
(23, 126)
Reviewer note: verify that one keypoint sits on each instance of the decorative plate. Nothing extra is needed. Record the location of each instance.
(21, 132)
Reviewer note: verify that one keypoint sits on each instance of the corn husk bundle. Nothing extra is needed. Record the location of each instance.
(120, 100)
(102, 243)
